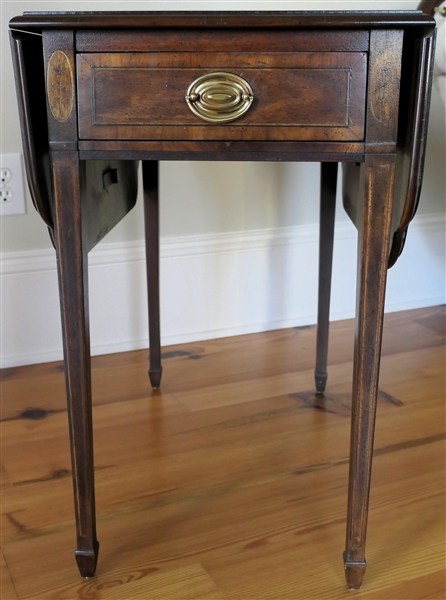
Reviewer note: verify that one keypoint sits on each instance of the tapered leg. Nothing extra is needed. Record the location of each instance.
(373, 251)
(73, 287)
(329, 174)
(150, 173)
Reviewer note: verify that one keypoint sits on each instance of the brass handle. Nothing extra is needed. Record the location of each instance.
(219, 97)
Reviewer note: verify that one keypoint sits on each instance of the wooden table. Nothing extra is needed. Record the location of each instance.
(98, 92)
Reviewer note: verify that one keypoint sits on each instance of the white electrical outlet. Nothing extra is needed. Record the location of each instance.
(12, 191)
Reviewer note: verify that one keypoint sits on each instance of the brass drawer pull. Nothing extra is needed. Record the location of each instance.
(219, 97)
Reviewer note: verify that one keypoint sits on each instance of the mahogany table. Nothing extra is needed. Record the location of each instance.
(98, 92)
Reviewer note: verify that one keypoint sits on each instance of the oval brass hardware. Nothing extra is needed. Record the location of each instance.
(219, 97)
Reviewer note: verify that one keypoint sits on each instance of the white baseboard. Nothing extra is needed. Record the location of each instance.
(211, 286)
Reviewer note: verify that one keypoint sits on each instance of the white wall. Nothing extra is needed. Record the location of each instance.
(200, 201)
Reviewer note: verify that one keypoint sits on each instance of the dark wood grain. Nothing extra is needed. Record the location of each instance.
(29, 75)
(72, 264)
(413, 117)
(225, 19)
(220, 150)
(413, 126)
(303, 96)
(62, 130)
(386, 49)
(373, 249)
(233, 40)
(329, 173)
(150, 175)
(105, 206)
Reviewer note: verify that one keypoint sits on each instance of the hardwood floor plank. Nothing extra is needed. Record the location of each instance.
(185, 583)
(415, 588)
(191, 582)
(7, 589)
(234, 472)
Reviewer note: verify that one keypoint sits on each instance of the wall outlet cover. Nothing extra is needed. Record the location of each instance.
(12, 189)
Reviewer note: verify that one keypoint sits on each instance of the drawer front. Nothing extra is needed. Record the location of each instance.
(301, 96)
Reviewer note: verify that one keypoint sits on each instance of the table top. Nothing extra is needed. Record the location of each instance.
(38, 21)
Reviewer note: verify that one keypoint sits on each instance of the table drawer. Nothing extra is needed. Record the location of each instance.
(301, 96)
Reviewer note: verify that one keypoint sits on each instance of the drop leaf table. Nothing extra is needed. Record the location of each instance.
(99, 92)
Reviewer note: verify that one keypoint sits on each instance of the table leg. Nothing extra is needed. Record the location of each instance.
(373, 251)
(329, 174)
(150, 174)
(73, 288)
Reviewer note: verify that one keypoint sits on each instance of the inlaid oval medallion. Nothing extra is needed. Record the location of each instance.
(385, 85)
(60, 86)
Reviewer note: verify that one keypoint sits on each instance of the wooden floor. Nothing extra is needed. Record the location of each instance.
(231, 482)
